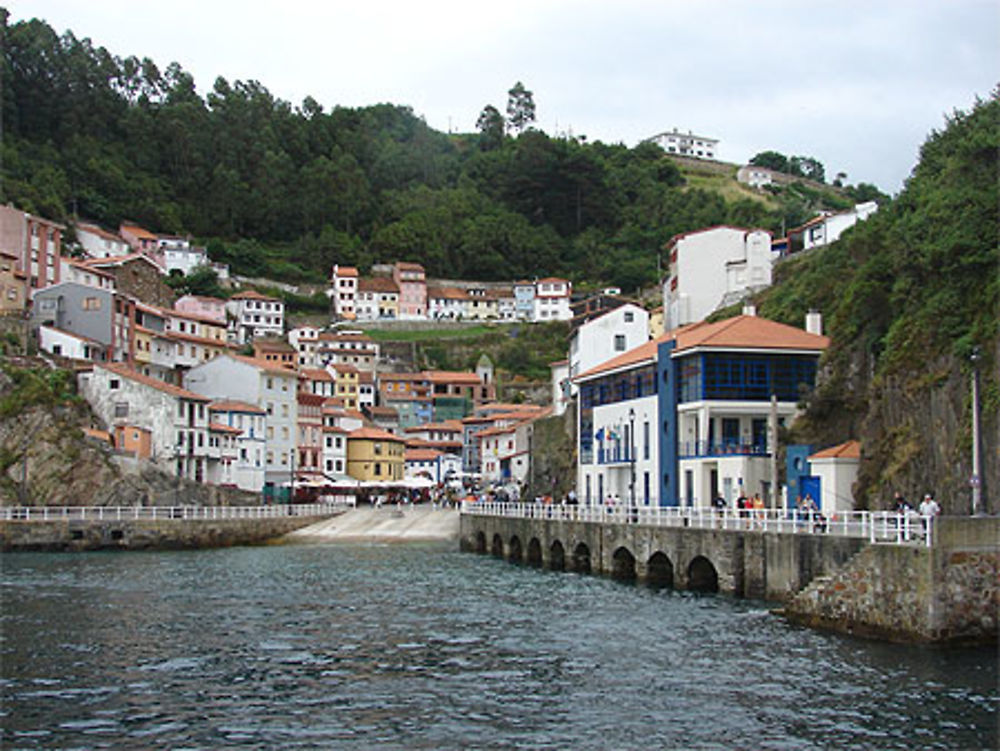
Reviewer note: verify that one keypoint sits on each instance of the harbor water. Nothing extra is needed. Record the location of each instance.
(421, 647)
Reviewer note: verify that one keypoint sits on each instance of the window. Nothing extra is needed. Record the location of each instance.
(629, 316)
(91, 303)
(121, 409)
(114, 383)
(619, 342)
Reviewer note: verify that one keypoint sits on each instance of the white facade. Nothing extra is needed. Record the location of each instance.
(271, 388)
(99, 243)
(609, 475)
(246, 470)
(204, 307)
(837, 470)
(343, 292)
(334, 452)
(183, 258)
(827, 229)
(712, 268)
(255, 315)
(687, 144)
(436, 465)
(552, 297)
(754, 176)
(177, 420)
(74, 271)
(561, 386)
(73, 346)
(448, 304)
(607, 336)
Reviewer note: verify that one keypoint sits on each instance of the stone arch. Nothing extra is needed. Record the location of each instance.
(480, 542)
(497, 546)
(557, 556)
(660, 571)
(623, 565)
(581, 558)
(515, 554)
(702, 576)
(534, 553)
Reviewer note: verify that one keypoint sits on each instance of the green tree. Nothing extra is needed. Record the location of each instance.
(520, 108)
(491, 127)
(772, 160)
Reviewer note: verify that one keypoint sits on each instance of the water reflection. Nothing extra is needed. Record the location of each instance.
(421, 647)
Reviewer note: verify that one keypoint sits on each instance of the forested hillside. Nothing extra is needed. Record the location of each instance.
(909, 295)
(284, 191)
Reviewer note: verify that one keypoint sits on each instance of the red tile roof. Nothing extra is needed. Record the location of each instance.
(252, 294)
(230, 405)
(846, 450)
(154, 383)
(374, 434)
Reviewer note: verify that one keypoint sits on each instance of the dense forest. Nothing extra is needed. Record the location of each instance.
(285, 191)
(909, 296)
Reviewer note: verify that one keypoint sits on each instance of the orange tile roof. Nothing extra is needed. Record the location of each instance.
(641, 354)
(446, 376)
(378, 284)
(167, 388)
(220, 428)
(447, 293)
(135, 229)
(421, 454)
(407, 266)
(749, 332)
(346, 271)
(270, 367)
(315, 374)
(374, 434)
(847, 450)
(231, 405)
(252, 294)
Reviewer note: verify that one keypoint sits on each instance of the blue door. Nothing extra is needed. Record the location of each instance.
(810, 485)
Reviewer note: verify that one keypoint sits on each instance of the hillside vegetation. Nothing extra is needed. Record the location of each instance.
(908, 295)
(285, 191)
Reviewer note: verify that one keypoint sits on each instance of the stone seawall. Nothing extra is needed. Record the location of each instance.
(161, 534)
(946, 594)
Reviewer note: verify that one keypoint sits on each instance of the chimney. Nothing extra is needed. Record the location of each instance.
(814, 322)
(749, 309)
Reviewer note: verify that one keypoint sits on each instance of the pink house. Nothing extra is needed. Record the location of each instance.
(205, 307)
(412, 283)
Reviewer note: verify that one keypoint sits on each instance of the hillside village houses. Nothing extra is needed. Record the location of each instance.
(167, 382)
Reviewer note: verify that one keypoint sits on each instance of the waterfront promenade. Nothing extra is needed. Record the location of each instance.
(385, 524)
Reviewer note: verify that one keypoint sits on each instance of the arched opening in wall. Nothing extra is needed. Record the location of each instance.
(535, 553)
(480, 542)
(659, 571)
(581, 559)
(557, 557)
(516, 554)
(497, 547)
(623, 565)
(702, 576)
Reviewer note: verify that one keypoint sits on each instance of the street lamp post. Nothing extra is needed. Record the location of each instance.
(631, 460)
(976, 479)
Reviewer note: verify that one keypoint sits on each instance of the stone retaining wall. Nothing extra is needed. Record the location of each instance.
(165, 534)
(946, 594)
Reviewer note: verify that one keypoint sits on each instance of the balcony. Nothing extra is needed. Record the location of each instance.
(704, 449)
(614, 455)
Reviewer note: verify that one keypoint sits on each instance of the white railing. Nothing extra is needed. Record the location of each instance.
(158, 513)
(874, 526)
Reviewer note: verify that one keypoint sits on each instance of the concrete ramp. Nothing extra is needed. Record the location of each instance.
(386, 524)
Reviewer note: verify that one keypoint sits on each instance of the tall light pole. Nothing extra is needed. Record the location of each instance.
(631, 460)
(976, 480)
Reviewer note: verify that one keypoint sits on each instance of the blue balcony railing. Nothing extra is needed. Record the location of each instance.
(614, 455)
(698, 449)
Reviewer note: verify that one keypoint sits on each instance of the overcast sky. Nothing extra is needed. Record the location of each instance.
(858, 85)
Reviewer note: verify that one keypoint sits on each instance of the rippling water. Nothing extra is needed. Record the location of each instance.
(425, 648)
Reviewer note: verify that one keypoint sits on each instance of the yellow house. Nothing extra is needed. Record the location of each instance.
(346, 384)
(375, 455)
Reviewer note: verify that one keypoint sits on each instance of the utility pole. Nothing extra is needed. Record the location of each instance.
(976, 481)
(774, 450)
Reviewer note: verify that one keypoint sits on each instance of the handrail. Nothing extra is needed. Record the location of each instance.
(158, 513)
(874, 526)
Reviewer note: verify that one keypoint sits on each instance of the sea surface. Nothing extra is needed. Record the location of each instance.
(421, 647)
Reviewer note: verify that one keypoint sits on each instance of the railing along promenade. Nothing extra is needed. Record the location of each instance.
(158, 513)
(874, 526)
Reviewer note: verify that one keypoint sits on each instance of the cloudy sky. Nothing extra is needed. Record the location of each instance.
(858, 85)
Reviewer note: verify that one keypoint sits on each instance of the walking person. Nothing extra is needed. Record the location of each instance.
(928, 509)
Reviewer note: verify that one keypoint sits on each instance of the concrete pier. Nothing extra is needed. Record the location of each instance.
(385, 524)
